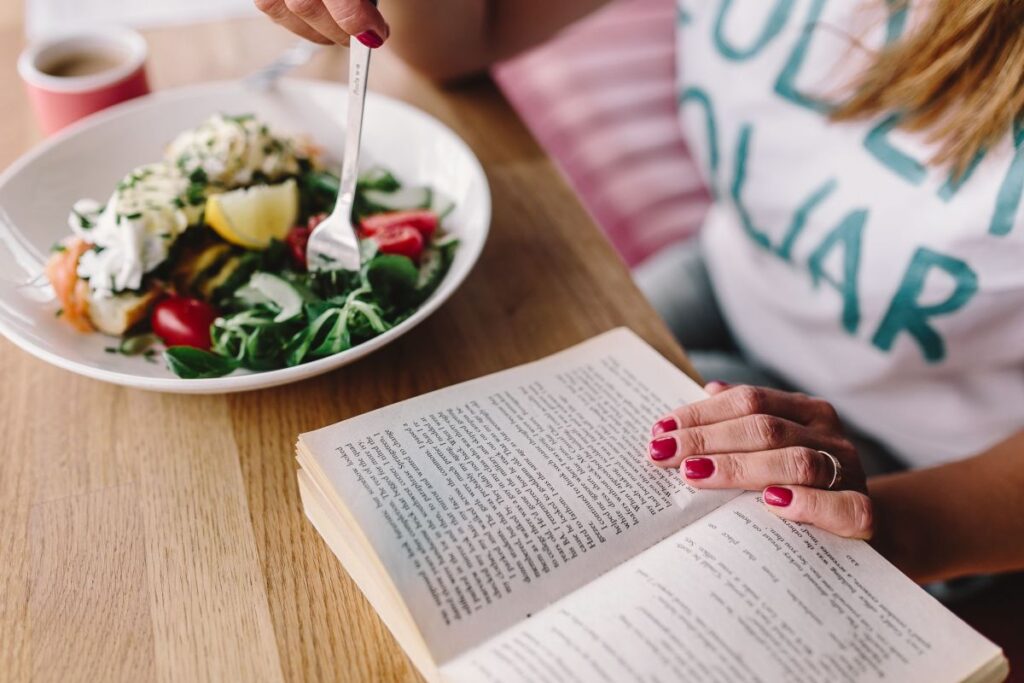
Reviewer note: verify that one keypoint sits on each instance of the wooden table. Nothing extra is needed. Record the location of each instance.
(155, 537)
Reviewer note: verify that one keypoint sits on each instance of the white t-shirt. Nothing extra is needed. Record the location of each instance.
(841, 259)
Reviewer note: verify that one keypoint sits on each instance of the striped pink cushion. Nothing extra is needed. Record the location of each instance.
(601, 99)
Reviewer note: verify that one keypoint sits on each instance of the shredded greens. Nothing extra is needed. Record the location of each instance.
(275, 316)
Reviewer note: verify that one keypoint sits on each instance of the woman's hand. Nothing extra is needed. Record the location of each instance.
(756, 438)
(329, 21)
(442, 39)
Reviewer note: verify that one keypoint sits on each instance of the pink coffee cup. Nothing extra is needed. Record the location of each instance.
(71, 76)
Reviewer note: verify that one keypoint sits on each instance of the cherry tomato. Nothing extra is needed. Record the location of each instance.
(421, 219)
(315, 221)
(298, 239)
(400, 239)
(180, 321)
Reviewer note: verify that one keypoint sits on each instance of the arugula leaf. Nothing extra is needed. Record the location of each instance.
(299, 346)
(191, 363)
(336, 339)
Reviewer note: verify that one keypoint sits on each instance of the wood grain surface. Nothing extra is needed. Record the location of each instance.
(154, 537)
(161, 538)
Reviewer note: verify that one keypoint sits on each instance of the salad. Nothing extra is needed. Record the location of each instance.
(201, 257)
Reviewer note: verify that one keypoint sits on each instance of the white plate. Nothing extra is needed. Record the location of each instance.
(88, 160)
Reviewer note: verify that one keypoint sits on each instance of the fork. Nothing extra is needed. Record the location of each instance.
(292, 58)
(334, 244)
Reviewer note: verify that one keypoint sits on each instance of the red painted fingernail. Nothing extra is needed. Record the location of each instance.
(698, 468)
(777, 496)
(663, 448)
(370, 39)
(667, 424)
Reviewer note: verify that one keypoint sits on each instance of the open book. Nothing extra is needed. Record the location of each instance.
(510, 529)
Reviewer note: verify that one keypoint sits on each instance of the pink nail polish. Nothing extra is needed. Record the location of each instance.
(718, 383)
(778, 496)
(663, 425)
(663, 448)
(370, 39)
(698, 468)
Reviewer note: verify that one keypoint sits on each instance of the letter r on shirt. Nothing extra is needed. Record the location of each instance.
(907, 314)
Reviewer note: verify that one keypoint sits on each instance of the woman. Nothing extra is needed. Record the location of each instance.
(865, 245)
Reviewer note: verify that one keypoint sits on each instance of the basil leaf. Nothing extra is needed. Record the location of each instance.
(188, 362)
(393, 278)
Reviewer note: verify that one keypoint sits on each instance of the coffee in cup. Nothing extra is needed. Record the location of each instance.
(72, 76)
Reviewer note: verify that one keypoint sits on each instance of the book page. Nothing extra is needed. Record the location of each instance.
(490, 500)
(739, 596)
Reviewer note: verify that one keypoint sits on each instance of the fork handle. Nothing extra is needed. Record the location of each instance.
(358, 71)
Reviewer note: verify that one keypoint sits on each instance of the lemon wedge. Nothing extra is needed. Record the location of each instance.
(251, 217)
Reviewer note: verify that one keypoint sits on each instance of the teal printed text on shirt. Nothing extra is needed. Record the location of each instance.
(785, 84)
(773, 26)
(1008, 198)
(800, 216)
(907, 314)
(701, 97)
(847, 236)
(902, 164)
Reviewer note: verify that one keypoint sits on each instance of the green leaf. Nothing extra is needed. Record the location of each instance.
(137, 344)
(335, 341)
(191, 363)
(322, 181)
(299, 346)
(379, 179)
(393, 278)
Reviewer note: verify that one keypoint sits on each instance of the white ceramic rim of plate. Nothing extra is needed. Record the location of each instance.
(255, 380)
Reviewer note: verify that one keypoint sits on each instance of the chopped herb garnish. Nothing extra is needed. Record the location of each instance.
(137, 344)
(196, 194)
(268, 312)
(58, 248)
(59, 313)
(83, 222)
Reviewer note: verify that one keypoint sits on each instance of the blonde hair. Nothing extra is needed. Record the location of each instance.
(957, 77)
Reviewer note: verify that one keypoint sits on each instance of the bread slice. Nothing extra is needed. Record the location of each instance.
(117, 314)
